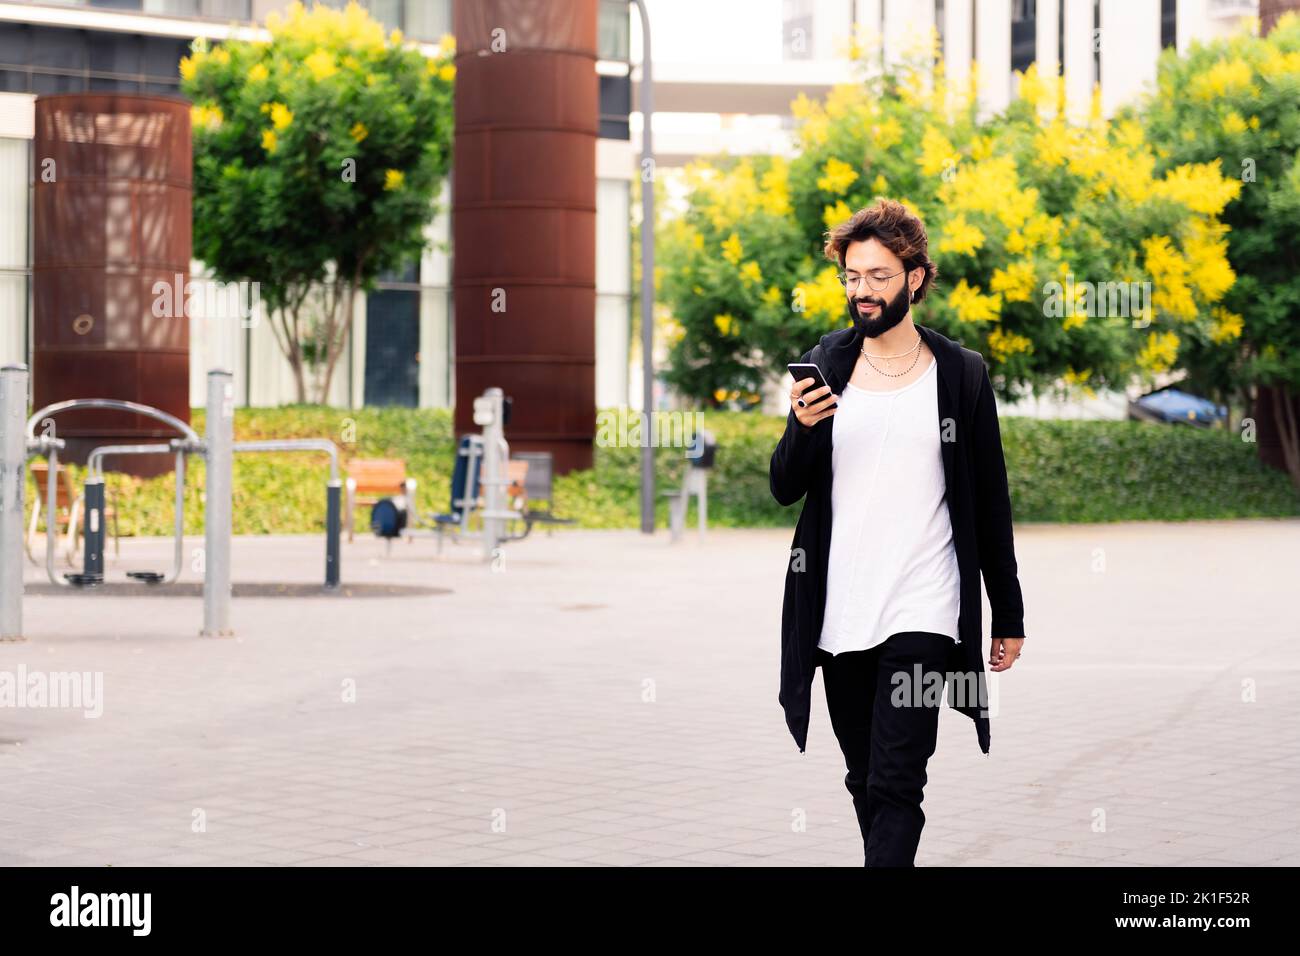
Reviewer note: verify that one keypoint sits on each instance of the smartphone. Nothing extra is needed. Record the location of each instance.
(803, 370)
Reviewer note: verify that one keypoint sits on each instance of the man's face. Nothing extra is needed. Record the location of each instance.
(873, 311)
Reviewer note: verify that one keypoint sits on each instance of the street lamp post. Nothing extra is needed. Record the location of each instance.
(647, 278)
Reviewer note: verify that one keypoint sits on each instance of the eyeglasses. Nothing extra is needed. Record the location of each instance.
(876, 283)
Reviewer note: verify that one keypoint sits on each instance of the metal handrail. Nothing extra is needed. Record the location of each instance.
(114, 403)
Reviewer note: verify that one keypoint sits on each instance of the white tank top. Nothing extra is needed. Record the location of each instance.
(892, 566)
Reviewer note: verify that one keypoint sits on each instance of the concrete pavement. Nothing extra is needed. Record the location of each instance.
(607, 698)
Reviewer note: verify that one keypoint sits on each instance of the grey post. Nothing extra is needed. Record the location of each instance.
(647, 275)
(13, 467)
(333, 492)
(217, 516)
(493, 479)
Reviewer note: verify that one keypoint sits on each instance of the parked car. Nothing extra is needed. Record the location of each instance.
(1172, 406)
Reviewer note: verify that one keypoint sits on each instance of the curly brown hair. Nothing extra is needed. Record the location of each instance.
(898, 230)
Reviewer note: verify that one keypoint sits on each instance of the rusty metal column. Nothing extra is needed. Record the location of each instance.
(110, 264)
(524, 219)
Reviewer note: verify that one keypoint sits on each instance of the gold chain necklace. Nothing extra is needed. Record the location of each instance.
(914, 348)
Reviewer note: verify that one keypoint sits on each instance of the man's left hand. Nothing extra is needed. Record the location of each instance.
(1004, 652)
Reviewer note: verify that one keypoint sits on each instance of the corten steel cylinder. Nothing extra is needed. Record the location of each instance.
(111, 186)
(524, 219)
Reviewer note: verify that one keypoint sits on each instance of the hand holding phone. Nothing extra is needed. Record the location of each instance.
(810, 399)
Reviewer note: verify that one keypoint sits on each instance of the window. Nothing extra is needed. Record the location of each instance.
(38, 59)
(1024, 33)
(615, 26)
(1168, 23)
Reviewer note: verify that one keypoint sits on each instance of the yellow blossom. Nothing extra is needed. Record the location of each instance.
(281, 115)
(887, 134)
(269, 142)
(1207, 259)
(836, 176)
(358, 131)
(750, 272)
(937, 154)
(1198, 186)
(1004, 344)
(774, 188)
(189, 66)
(258, 73)
(823, 298)
(1032, 89)
(447, 73)
(1227, 325)
(972, 306)
(1222, 79)
(732, 249)
(1168, 269)
(834, 215)
(393, 179)
(1016, 282)
(1234, 124)
(1160, 352)
(960, 237)
(321, 64)
(724, 323)
(203, 116)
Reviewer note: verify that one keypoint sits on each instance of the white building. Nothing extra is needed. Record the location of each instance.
(731, 91)
(401, 351)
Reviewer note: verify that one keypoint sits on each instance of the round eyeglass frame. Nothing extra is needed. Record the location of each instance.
(884, 282)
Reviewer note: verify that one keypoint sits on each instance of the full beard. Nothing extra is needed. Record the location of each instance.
(889, 313)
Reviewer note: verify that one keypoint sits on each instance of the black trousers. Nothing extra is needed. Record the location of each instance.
(888, 727)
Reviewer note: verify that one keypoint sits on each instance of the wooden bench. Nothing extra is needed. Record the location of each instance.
(370, 479)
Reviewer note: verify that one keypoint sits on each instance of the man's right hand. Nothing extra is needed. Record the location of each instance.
(818, 404)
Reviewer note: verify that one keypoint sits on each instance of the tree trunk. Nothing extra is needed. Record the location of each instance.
(1277, 416)
(1288, 422)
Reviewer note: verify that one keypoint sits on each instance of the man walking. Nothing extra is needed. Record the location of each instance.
(900, 458)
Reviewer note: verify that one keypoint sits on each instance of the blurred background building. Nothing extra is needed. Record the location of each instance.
(725, 74)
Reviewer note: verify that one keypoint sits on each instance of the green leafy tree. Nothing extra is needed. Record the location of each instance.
(317, 157)
(1234, 101)
(1062, 254)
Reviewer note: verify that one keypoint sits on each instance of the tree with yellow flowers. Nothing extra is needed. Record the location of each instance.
(1063, 255)
(727, 268)
(317, 157)
(1237, 102)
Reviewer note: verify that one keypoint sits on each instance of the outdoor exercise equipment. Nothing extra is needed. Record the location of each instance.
(481, 472)
(218, 447)
(699, 458)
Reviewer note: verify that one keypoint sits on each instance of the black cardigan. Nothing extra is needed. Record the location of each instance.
(979, 507)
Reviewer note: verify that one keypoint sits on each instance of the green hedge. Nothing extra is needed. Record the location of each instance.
(1060, 471)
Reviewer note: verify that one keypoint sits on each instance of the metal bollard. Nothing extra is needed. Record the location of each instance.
(217, 517)
(13, 469)
(333, 512)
